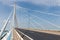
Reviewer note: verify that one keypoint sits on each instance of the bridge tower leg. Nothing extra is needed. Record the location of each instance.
(15, 23)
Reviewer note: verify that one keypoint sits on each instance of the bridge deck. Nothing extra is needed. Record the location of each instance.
(16, 35)
(43, 35)
(56, 32)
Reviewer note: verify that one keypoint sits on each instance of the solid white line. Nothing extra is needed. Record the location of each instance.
(19, 35)
(25, 35)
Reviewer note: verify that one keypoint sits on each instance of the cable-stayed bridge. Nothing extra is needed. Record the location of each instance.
(16, 33)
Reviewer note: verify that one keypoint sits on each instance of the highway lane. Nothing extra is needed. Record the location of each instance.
(39, 35)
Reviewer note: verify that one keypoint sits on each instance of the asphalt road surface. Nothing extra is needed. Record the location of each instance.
(40, 35)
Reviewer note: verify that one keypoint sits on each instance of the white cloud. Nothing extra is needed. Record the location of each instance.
(5, 1)
(37, 2)
(44, 2)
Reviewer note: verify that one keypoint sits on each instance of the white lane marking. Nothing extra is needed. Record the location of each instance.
(19, 35)
(26, 35)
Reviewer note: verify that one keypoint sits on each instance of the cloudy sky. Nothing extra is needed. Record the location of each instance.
(39, 14)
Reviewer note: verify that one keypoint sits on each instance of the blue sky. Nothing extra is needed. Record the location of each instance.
(39, 14)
